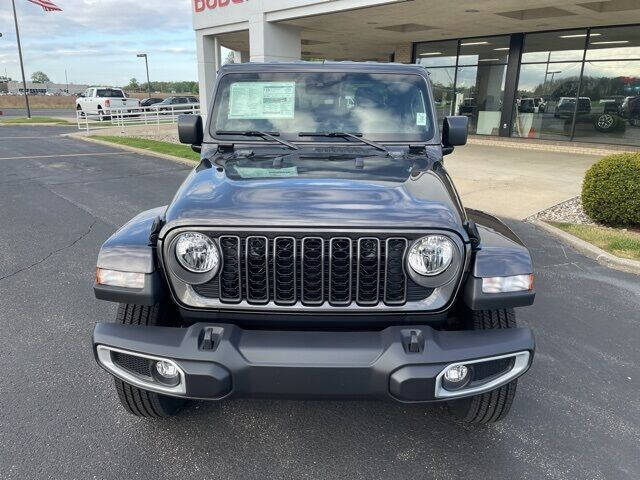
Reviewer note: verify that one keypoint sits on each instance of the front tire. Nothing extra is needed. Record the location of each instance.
(137, 401)
(492, 406)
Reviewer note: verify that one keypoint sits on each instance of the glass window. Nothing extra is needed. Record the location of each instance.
(384, 107)
(478, 51)
(437, 54)
(479, 94)
(442, 81)
(559, 46)
(613, 90)
(109, 93)
(545, 100)
(620, 43)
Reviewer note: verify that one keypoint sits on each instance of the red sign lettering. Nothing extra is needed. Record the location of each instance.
(202, 5)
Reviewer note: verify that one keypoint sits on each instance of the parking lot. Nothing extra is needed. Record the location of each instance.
(577, 414)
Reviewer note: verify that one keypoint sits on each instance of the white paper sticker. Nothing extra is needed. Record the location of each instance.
(256, 172)
(260, 100)
(421, 119)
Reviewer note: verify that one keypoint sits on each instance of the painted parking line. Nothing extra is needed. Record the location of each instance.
(95, 154)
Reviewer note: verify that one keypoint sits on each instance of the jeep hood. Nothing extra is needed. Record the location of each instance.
(327, 196)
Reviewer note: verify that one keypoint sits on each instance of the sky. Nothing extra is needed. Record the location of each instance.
(96, 41)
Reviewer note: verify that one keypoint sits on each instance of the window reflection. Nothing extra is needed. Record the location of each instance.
(620, 43)
(559, 46)
(613, 89)
(545, 100)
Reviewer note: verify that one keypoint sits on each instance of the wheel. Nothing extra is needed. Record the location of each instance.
(634, 121)
(137, 401)
(492, 406)
(605, 123)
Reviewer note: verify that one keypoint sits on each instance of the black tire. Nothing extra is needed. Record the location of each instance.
(606, 122)
(137, 401)
(492, 406)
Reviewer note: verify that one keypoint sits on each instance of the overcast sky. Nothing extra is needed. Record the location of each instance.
(97, 40)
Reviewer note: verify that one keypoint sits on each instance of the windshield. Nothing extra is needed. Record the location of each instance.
(382, 107)
(109, 93)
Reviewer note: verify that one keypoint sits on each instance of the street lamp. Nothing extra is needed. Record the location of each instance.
(146, 62)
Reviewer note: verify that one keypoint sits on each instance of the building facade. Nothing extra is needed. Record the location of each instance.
(16, 88)
(517, 68)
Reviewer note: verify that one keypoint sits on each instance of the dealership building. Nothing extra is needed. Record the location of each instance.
(532, 69)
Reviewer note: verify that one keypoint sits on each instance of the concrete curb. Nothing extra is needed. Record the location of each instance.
(591, 251)
(127, 148)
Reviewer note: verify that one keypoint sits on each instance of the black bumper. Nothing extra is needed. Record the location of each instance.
(401, 363)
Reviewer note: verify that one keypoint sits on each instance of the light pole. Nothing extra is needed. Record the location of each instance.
(24, 82)
(146, 62)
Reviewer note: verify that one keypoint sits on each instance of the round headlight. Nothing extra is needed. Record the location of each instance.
(196, 252)
(431, 255)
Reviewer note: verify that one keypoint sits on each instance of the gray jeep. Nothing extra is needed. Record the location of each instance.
(318, 250)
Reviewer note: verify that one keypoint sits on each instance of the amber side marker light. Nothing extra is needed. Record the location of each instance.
(114, 278)
(514, 283)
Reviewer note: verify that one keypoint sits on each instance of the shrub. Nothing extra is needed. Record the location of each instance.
(611, 190)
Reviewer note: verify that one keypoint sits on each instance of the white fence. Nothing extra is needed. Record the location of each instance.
(123, 118)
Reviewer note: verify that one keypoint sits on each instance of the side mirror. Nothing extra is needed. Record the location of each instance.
(454, 132)
(190, 129)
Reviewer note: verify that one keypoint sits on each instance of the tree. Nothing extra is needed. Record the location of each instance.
(133, 84)
(39, 77)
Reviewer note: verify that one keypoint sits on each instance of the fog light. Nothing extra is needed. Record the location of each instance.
(167, 370)
(456, 377)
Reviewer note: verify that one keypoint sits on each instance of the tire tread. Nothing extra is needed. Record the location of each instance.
(137, 401)
(492, 406)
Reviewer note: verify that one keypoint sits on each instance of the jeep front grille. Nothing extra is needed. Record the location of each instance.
(337, 271)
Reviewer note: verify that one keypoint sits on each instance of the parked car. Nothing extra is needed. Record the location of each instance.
(147, 102)
(318, 250)
(532, 105)
(567, 105)
(101, 101)
(630, 109)
(468, 107)
(176, 103)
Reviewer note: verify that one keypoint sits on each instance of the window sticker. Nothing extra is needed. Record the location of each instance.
(256, 172)
(421, 119)
(261, 100)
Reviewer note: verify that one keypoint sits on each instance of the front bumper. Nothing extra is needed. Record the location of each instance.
(406, 364)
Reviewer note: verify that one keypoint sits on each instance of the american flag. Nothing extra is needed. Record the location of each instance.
(47, 5)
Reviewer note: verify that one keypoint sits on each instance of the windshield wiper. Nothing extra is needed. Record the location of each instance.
(254, 133)
(355, 136)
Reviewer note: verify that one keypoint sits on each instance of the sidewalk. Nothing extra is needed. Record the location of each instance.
(516, 182)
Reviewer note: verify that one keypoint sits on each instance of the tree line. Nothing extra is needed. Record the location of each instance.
(164, 87)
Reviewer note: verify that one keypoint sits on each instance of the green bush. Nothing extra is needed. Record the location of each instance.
(611, 190)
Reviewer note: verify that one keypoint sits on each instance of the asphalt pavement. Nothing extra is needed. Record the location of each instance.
(39, 112)
(576, 415)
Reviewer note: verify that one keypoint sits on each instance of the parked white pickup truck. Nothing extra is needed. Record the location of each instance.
(101, 101)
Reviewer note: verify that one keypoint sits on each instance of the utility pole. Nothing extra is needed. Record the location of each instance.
(146, 62)
(24, 81)
(66, 78)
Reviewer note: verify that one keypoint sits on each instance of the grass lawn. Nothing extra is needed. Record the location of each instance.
(182, 151)
(25, 120)
(624, 244)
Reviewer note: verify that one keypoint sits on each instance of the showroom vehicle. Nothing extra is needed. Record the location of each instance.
(100, 101)
(567, 105)
(318, 250)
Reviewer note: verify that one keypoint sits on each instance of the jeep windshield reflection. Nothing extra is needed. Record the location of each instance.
(380, 107)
